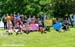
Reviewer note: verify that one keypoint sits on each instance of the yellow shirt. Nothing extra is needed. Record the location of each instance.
(8, 18)
(48, 22)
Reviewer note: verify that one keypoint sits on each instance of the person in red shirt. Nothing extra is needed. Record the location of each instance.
(19, 23)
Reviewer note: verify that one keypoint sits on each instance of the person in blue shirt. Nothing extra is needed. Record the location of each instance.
(58, 25)
(17, 16)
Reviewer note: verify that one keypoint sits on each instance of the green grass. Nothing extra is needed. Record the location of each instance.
(36, 39)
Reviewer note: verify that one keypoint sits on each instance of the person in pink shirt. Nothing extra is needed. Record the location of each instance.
(9, 27)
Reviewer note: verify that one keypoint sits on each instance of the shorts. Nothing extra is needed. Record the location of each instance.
(40, 25)
(10, 30)
(16, 30)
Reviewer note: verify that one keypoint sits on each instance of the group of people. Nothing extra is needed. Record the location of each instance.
(22, 23)
(62, 24)
(25, 24)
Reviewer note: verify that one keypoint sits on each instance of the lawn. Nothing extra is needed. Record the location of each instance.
(36, 39)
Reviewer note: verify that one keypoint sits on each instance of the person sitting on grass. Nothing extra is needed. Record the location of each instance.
(16, 28)
(19, 23)
(41, 28)
(65, 24)
(57, 25)
(48, 24)
(25, 28)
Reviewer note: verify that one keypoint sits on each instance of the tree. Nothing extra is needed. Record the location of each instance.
(63, 7)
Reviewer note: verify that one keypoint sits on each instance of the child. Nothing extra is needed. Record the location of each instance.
(65, 24)
(9, 27)
(41, 28)
(16, 28)
(25, 28)
(19, 22)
